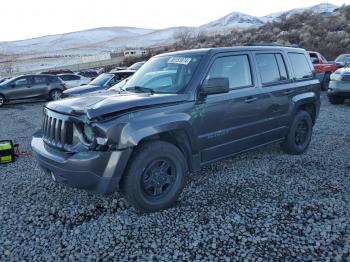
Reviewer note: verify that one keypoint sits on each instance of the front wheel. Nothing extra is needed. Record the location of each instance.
(155, 176)
(2, 100)
(299, 135)
(55, 95)
(336, 100)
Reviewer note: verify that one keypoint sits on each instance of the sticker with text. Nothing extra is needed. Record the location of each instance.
(179, 60)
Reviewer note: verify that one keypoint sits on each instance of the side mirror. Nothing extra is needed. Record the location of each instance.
(314, 60)
(217, 85)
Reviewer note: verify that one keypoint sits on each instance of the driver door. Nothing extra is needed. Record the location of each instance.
(228, 123)
(20, 88)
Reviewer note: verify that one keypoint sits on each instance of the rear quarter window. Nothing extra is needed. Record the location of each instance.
(300, 65)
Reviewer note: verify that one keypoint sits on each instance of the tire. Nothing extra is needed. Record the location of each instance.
(148, 184)
(325, 82)
(299, 135)
(2, 100)
(55, 94)
(336, 100)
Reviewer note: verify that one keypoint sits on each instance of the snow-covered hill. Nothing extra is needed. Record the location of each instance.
(111, 39)
(234, 20)
(324, 8)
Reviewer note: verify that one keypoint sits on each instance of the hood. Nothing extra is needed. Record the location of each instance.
(102, 103)
(82, 89)
(344, 70)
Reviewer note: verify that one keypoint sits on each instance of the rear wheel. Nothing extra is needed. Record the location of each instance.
(2, 100)
(299, 135)
(155, 177)
(55, 95)
(336, 100)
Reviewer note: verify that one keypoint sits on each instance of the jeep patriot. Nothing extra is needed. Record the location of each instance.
(179, 112)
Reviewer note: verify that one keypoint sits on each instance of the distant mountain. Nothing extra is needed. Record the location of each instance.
(324, 8)
(111, 39)
(235, 19)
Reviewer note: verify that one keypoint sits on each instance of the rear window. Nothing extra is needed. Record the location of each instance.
(300, 66)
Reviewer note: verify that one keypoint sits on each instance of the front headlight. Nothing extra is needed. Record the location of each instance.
(89, 133)
(336, 77)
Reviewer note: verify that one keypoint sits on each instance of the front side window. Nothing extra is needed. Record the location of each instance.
(235, 68)
(272, 68)
(21, 81)
(180, 68)
(300, 66)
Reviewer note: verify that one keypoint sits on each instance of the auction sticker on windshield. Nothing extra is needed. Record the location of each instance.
(179, 60)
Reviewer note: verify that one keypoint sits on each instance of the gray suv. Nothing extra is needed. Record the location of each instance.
(31, 86)
(179, 112)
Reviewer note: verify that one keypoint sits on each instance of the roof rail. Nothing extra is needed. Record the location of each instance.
(271, 44)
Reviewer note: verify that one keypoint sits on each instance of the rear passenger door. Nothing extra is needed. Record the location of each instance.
(277, 90)
(228, 123)
(40, 85)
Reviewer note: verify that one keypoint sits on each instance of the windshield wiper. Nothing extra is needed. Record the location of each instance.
(141, 89)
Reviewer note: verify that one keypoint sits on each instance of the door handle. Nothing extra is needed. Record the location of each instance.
(288, 92)
(251, 99)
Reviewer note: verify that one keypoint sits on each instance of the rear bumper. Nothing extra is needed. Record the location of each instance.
(97, 171)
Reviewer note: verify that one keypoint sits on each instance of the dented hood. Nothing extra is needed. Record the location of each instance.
(103, 103)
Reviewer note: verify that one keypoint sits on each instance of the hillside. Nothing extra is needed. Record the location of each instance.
(117, 38)
(328, 34)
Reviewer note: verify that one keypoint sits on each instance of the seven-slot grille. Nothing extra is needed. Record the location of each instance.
(346, 77)
(57, 130)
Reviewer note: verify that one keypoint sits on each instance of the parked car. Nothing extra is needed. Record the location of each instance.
(215, 103)
(89, 74)
(102, 82)
(342, 60)
(31, 86)
(73, 80)
(114, 70)
(339, 86)
(323, 68)
(3, 79)
(136, 66)
(57, 72)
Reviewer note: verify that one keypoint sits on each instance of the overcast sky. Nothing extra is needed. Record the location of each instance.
(23, 19)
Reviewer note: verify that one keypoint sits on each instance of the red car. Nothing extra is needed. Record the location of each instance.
(323, 68)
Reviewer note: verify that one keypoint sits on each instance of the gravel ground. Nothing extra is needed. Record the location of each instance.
(263, 205)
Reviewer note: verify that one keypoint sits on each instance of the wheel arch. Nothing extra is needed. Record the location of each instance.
(307, 102)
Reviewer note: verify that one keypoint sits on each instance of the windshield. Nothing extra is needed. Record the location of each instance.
(166, 74)
(5, 81)
(136, 66)
(343, 58)
(101, 80)
(119, 85)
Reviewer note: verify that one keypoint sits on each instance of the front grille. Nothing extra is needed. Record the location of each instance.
(57, 130)
(346, 78)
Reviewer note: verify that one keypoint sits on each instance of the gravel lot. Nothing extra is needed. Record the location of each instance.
(263, 205)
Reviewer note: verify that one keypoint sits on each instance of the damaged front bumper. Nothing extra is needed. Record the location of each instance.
(97, 171)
